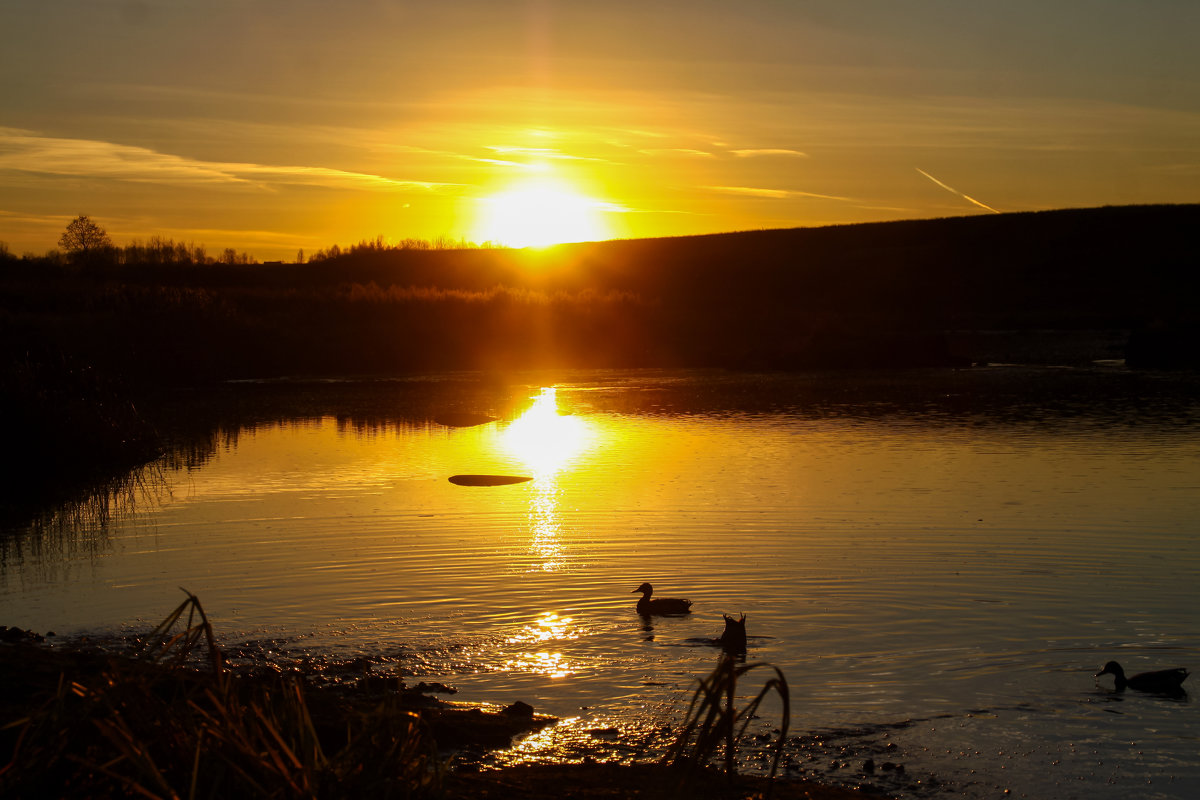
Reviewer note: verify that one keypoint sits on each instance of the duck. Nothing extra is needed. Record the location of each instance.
(733, 639)
(659, 605)
(1163, 680)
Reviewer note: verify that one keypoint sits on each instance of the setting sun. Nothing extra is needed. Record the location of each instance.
(540, 213)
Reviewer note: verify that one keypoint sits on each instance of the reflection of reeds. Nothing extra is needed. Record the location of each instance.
(713, 719)
(156, 728)
(72, 431)
(43, 543)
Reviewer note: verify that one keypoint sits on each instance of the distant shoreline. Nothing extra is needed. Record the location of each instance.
(89, 352)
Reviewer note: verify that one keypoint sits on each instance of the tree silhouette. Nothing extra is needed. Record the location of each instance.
(84, 238)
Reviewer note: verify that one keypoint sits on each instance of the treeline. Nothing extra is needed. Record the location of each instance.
(380, 246)
(884, 294)
(170, 327)
(156, 251)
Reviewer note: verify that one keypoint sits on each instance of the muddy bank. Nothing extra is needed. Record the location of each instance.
(648, 781)
(55, 698)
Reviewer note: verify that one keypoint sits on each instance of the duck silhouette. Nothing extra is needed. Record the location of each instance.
(733, 639)
(1166, 681)
(659, 605)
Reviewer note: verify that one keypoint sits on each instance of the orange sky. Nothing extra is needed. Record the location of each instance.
(272, 126)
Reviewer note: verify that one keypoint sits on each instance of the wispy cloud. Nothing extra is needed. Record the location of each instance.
(643, 133)
(26, 151)
(751, 191)
(540, 152)
(677, 151)
(952, 190)
(20, 216)
(43, 224)
(779, 194)
(768, 151)
(1179, 169)
(500, 162)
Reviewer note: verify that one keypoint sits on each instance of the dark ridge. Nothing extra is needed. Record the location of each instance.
(892, 294)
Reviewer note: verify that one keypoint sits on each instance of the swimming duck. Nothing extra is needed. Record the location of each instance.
(659, 605)
(733, 639)
(1163, 680)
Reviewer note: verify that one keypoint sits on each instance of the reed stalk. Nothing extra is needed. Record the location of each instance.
(713, 718)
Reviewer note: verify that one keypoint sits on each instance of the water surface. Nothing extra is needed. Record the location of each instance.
(938, 562)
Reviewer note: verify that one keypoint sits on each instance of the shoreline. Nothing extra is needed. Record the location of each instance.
(40, 680)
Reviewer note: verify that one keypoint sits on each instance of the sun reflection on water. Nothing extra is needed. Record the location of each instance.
(546, 525)
(589, 736)
(547, 628)
(547, 441)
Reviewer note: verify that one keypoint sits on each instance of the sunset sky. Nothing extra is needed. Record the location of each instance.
(277, 125)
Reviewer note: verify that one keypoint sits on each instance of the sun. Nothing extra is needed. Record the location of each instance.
(540, 213)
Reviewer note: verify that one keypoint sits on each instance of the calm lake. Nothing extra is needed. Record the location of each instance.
(938, 562)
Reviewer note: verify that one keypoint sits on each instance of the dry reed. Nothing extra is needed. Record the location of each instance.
(156, 726)
(713, 718)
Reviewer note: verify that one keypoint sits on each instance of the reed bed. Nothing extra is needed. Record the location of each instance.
(714, 719)
(173, 722)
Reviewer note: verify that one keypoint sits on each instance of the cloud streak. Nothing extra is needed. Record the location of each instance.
(677, 151)
(778, 194)
(768, 151)
(952, 190)
(24, 151)
(540, 152)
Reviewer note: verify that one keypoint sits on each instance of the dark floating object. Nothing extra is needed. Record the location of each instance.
(463, 419)
(733, 640)
(661, 605)
(1165, 681)
(518, 709)
(488, 480)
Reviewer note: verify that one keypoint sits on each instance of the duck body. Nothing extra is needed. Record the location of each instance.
(1168, 681)
(733, 639)
(659, 606)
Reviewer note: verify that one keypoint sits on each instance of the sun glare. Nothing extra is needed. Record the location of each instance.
(539, 214)
(544, 439)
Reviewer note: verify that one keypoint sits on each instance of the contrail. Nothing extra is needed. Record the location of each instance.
(952, 190)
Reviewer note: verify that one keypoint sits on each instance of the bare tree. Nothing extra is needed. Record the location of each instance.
(84, 238)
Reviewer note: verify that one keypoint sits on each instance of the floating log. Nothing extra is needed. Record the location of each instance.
(488, 480)
(463, 419)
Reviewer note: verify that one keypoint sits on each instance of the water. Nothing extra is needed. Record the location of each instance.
(938, 562)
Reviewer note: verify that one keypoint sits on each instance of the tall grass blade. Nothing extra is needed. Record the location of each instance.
(713, 718)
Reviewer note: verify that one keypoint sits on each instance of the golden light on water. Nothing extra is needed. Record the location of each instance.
(546, 524)
(608, 737)
(546, 442)
(540, 213)
(539, 745)
(548, 627)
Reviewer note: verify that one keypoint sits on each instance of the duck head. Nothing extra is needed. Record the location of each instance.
(1112, 668)
(645, 589)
